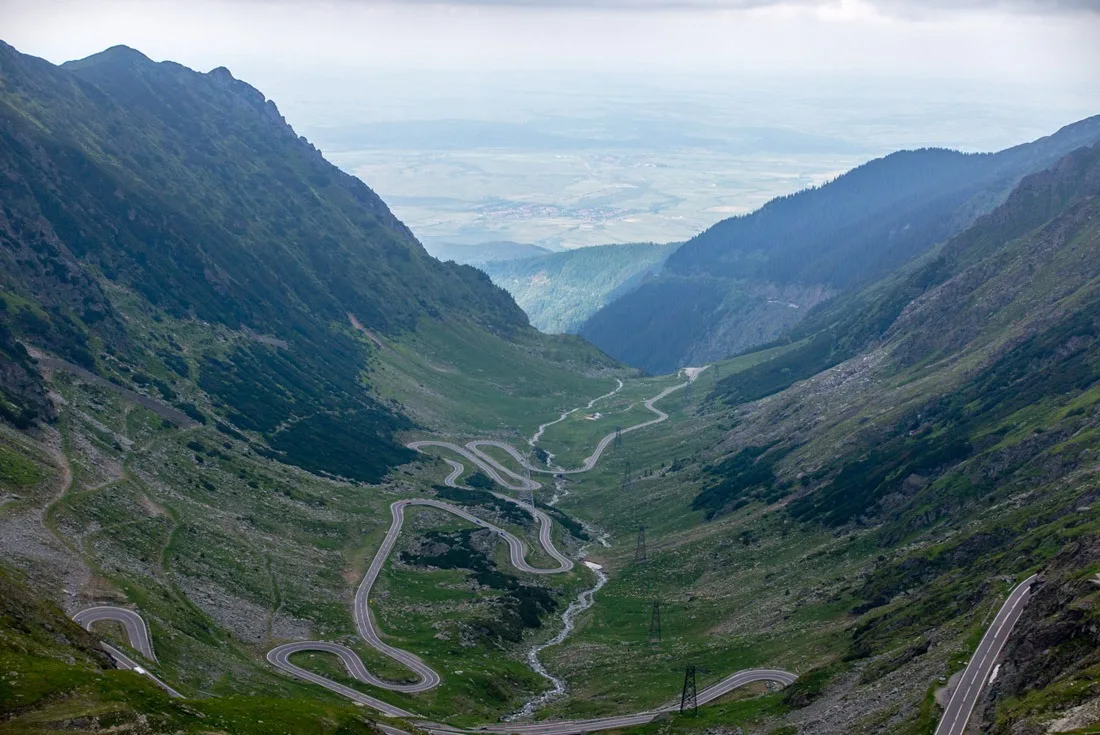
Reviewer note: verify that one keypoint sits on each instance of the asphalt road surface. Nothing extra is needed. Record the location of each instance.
(427, 678)
(574, 727)
(473, 448)
(976, 675)
(280, 658)
(136, 631)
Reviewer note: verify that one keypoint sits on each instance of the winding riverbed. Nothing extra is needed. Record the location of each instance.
(557, 689)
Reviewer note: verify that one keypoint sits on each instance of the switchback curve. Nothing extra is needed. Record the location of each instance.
(136, 631)
(427, 677)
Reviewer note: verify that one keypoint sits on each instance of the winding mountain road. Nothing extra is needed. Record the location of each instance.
(978, 670)
(473, 453)
(136, 631)
(574, 727)
(427, 678)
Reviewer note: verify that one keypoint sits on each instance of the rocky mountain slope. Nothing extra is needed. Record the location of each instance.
(187, 195)
(560, 291)
(748, 279)
(849, 504)
(958, 439)
(213, 348)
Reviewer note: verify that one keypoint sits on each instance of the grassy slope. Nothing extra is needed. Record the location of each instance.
(750, 588)
(58, 679)
(460, 380)
(903, 551)
(712, 580)
(192, 193)
(226, 552)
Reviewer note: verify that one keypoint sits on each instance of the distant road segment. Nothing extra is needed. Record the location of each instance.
(976, 675)
(136, 631)
(427, 678)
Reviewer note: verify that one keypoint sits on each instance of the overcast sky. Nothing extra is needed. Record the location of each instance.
(1032, 65)
(980, 39)
(873, 75)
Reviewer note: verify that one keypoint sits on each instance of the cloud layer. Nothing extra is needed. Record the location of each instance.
(900, 7)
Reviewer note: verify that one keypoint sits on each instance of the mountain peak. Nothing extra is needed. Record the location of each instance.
(114, 56)
(246, 91)
(222, 74)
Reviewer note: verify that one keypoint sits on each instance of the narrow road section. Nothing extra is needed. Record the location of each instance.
(977, 673)
(136, 631)
(364, 621)
(427, 678)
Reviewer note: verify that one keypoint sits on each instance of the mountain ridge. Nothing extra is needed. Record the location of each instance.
(189, 191)
(813, 244)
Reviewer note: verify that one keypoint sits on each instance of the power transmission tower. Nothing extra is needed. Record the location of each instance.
(639, 548)
(627, 478)
(618, 436)
(655, 623)
(527, 494)
(717, 373)
(688, 391)
(688, 700)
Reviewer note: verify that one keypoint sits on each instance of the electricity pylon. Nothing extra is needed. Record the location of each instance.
(688, 699)
(639, 548)
(527, 494)
(655, 623)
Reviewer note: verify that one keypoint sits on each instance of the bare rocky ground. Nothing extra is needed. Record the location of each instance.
(51, 565)
(1077, 718)
(113, 500)
(864, 703)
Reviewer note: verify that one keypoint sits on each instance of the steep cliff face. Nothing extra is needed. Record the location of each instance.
(22, 394)
(1048, 681)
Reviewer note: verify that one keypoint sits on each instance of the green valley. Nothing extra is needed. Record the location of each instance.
(344, 487)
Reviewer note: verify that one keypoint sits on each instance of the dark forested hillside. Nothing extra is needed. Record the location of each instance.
(980, 360)
(486, 252)
(749, 278)
(559, 291)
(948, 417)
(189, 197)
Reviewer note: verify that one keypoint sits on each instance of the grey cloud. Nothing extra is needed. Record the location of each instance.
(901, 7)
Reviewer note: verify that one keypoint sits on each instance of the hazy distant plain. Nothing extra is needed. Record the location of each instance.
(575, 198)
(568, 161)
